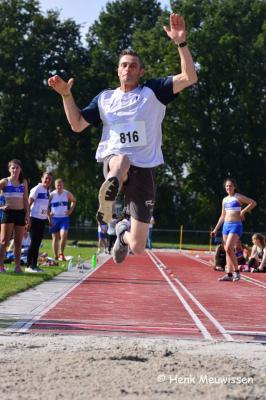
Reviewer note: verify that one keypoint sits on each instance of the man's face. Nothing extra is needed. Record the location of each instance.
(129, 70)
(46, 180)
(59, 186)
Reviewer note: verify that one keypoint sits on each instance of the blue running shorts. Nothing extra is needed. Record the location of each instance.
(59, 224)
(233, 227)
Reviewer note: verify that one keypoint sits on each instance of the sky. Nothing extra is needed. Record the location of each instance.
(84, 12)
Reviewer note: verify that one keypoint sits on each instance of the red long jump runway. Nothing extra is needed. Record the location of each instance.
(236, 309)
(159, 294)
(130, 298)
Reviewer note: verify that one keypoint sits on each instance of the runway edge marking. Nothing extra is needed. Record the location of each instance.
(23, 327)
(243, 276)
(214, 321)
(206, 334)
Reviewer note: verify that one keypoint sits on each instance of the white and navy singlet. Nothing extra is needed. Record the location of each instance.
(132, 121)
(59, 204)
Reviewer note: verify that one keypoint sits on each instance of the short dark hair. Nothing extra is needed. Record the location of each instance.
(131, 52)
(47, 173)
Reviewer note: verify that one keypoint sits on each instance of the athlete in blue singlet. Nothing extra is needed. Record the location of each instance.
(231, 218)
(15, 212)
(62, 204)
(130, 146)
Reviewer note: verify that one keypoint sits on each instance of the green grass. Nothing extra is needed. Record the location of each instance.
(11, 283)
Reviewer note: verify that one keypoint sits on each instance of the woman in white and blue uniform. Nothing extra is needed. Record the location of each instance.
(231, 218)
(15, 213)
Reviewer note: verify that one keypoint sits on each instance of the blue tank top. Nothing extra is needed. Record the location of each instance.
(59, 203)
(232, 204)
(12, 191)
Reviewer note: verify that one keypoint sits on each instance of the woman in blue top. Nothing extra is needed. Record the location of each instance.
(231, 217)
(15, 211)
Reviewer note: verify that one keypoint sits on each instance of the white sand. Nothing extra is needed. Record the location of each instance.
(91, 367)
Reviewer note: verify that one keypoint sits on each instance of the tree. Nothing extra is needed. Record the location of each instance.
(32, 47)
(212, 129)
(216, 127)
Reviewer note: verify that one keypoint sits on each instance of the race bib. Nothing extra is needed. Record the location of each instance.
(131, 134)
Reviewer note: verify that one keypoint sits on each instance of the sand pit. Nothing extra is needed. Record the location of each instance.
(90, 367)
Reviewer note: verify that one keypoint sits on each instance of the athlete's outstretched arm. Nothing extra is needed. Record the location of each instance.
(177, 32)
(73, 114)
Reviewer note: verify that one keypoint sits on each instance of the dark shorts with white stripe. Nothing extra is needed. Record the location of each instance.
(139, 191)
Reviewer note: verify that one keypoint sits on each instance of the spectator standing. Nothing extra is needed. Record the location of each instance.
(111, 232)
(38, 202)
(62, 204)
(231, 218)
(2, 203)
(15, 212)
(102, 237)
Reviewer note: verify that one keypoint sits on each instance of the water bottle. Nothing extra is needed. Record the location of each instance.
(94, 261)
(80, 264)
(70, 265)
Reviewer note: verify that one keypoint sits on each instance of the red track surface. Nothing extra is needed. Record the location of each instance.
(162, 294)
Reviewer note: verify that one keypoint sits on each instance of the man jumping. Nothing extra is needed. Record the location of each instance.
(130, 146)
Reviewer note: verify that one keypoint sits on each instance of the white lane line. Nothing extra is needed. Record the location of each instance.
(23, 326)
(204, 310)
(253, 280)
(244, 277)
(254, 333)
(195, 318)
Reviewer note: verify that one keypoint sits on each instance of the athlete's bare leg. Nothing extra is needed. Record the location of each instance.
(136, 238)
(231, 259)
(118, 167)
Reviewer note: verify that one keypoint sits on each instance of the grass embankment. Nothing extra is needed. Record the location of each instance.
(12, 283)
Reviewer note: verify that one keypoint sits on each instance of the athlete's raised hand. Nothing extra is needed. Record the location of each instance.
(60, 86)
(177, 29)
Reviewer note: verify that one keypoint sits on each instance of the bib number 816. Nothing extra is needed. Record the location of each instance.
(129, 137)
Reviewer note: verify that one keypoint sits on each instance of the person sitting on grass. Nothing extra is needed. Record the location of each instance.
(220, 258)
(257, 260)
(241, 252)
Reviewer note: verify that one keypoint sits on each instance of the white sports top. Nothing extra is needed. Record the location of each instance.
(39, 207)
(132, 121)
(59, 203)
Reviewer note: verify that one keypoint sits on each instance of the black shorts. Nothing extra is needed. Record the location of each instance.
(16, 217)
(139, 190)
